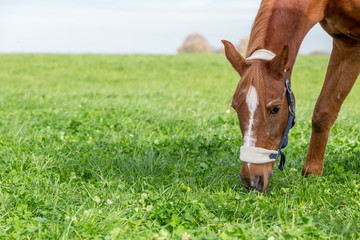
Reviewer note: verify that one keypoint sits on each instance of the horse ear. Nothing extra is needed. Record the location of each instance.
(234, 57)
(279, 62)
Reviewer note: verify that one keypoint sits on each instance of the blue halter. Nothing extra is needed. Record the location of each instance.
(289, 125)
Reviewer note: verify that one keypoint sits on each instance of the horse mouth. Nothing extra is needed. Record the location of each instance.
(258, 182)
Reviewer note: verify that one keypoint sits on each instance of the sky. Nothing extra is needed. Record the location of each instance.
(129, 26)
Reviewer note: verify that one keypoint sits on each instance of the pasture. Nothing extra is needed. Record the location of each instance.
(144, 147)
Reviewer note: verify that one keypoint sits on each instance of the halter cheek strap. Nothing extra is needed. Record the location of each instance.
(258, 155)
(289, 125)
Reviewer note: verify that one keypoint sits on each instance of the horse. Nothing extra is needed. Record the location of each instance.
(263, 99)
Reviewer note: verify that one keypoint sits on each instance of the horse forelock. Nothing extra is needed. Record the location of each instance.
(254, 76)
(260, 26)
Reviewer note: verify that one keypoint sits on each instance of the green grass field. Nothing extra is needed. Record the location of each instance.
(142, 147)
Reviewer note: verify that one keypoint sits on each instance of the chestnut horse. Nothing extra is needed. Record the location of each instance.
(263, 99)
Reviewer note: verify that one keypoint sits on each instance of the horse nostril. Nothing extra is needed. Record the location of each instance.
(245, 181)
(259, 182)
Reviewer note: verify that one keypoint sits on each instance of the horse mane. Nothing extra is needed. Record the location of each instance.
(259, 29)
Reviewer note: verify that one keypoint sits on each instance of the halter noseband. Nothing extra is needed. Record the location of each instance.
(258, 155)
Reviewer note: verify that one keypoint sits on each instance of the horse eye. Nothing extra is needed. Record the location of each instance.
(274, 110)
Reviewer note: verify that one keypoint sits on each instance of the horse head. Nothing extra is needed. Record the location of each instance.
(262, 105)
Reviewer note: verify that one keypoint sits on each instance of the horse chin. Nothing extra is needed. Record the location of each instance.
(256, 176)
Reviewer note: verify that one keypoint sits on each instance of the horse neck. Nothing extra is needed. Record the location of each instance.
(284, 22)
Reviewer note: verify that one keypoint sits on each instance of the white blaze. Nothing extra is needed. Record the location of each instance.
(252, 102)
